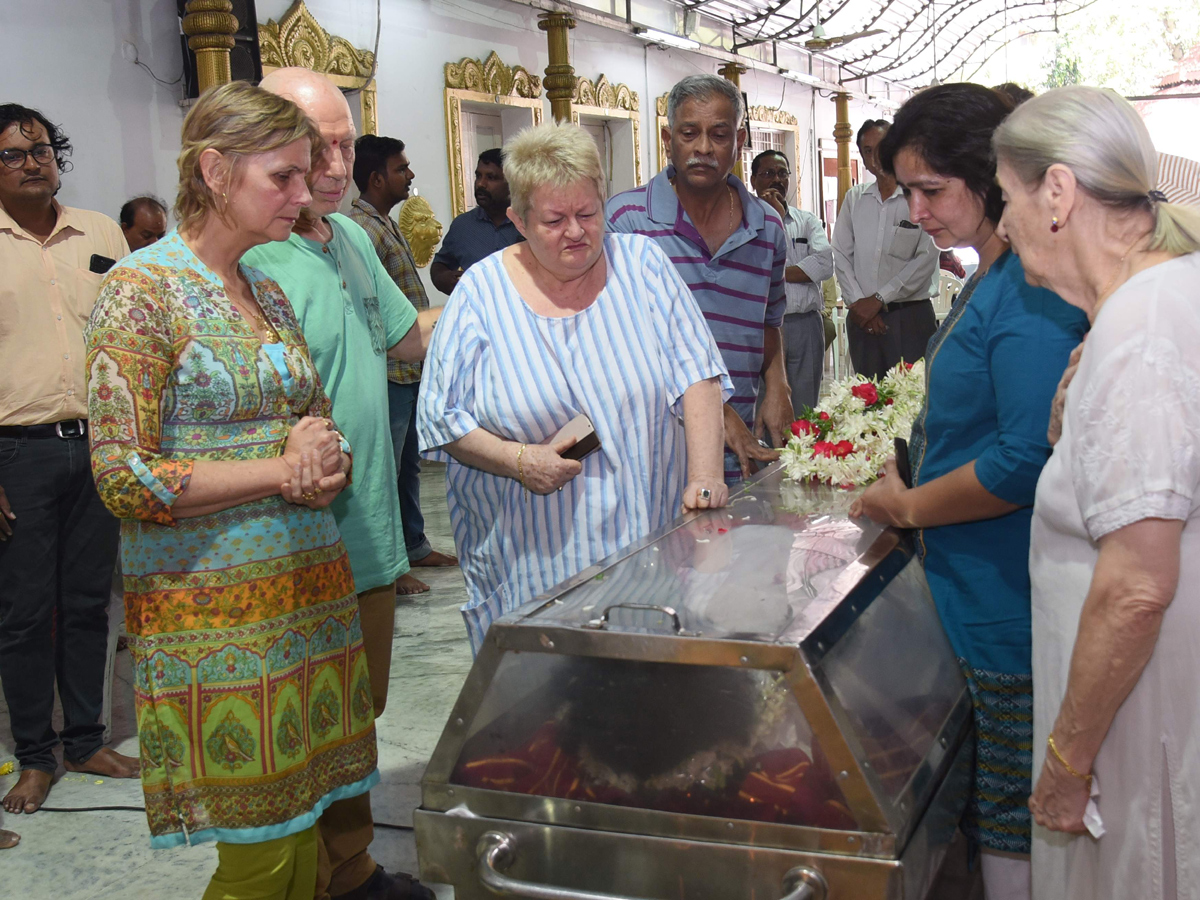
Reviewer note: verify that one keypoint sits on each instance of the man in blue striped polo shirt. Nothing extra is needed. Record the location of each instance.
(730, 248)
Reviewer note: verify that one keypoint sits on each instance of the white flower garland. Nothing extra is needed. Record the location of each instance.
(846, 440)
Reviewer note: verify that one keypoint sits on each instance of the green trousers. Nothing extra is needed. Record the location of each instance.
(282, 869)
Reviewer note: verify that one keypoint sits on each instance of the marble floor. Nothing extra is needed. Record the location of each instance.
(107, 855)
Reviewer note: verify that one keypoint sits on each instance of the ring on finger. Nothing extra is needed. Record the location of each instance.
(310, 495)
(705, 494)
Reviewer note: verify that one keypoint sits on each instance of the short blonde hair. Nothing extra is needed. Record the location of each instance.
(554, 154)
(237, 120)
(1100, 137)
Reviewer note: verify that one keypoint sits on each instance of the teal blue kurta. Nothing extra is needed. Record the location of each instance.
(992, 369)
(351, 312)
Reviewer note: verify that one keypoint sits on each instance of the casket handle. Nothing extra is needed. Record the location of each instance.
(669, 611)
(803, 883)
(498, 850)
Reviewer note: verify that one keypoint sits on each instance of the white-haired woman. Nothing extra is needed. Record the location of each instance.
(571, 322)
(1115, 558)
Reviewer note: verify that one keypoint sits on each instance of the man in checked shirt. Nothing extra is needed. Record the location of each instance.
(383, 176)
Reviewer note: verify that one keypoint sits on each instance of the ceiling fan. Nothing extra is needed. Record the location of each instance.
(819, 41)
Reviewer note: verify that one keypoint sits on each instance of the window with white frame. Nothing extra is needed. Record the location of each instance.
(762, 139)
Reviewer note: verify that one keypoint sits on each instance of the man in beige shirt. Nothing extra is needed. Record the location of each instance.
(58, 543)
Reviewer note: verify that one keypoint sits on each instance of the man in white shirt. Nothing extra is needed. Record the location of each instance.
(886, 266)
(809, 262)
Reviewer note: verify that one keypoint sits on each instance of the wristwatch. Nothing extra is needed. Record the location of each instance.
(878, 296)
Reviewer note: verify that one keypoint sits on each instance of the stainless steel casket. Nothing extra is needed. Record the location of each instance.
(754, 704)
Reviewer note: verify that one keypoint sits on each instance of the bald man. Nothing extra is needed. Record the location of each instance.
(354, 318)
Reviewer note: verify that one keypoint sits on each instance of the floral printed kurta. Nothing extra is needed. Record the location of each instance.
(253, 700)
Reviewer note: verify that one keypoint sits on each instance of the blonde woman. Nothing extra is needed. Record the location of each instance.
(1115, 555)
(570, 322)
(210, 442)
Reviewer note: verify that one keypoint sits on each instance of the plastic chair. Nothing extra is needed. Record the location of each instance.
(949, 286)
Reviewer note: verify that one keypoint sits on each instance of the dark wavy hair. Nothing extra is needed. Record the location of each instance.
(24, 117)
(371, 155)
(951, 126)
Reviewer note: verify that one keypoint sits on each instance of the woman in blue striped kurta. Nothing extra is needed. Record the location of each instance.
(570, 322)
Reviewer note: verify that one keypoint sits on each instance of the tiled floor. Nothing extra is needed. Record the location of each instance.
(106, 855)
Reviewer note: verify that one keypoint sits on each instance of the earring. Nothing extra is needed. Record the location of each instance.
(1054, 224)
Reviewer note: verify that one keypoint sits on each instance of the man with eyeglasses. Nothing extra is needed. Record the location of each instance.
(809, 262)
(58, 543)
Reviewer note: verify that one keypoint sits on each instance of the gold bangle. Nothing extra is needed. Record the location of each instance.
(521, 468)
(1066, 765)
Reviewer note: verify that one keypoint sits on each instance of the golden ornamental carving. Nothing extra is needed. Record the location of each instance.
(602, 93)
(420, 228)
(491, 76)
(660, 105)
(770, 114)
(298, 40)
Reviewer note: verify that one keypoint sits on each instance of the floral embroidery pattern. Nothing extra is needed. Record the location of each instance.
(326, 712)
(231, 744)
(289, 736)
(233, 604)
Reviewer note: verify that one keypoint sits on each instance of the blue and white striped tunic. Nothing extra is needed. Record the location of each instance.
(625, 362)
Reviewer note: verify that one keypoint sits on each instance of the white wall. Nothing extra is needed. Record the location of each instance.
(65, 57)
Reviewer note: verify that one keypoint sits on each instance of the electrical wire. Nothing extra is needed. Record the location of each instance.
(142, 809)
(141, 65)
(375, 51)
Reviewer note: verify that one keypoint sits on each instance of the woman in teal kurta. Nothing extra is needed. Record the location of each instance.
(977, 450)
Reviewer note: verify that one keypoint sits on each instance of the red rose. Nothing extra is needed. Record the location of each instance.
(908, 366)
(803, 426)
(890, 401)
(866, 392)
(843, 449)
(824, 417)
(823, 448)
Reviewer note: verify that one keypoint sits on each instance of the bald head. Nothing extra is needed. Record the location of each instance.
(322, 102)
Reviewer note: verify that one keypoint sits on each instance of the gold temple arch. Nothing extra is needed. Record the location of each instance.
(605, 100)
(492, 76)
(604, 94)
(298, 39)
(769, 115)
(483, 83)
(660, 122)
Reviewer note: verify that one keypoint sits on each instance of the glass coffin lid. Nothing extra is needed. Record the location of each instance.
(750, 571)
(774, 665)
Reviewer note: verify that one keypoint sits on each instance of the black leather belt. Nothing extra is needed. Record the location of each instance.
(70, 430)
(909, 302)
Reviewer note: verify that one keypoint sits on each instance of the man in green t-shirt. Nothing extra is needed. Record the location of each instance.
(354, 318)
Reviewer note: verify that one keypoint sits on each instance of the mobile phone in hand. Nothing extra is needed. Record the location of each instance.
(587, 441)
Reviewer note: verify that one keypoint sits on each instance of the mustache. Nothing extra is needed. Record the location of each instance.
(701, 161)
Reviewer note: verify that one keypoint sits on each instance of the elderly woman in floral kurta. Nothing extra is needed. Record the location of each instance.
(209, 441)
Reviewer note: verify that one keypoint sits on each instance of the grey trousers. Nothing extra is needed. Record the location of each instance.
(804, 356)
(909, 329)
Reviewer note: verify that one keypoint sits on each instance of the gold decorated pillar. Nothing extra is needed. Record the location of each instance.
(842, 132)
(210, 26)
(560, 74)
(732, 71)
